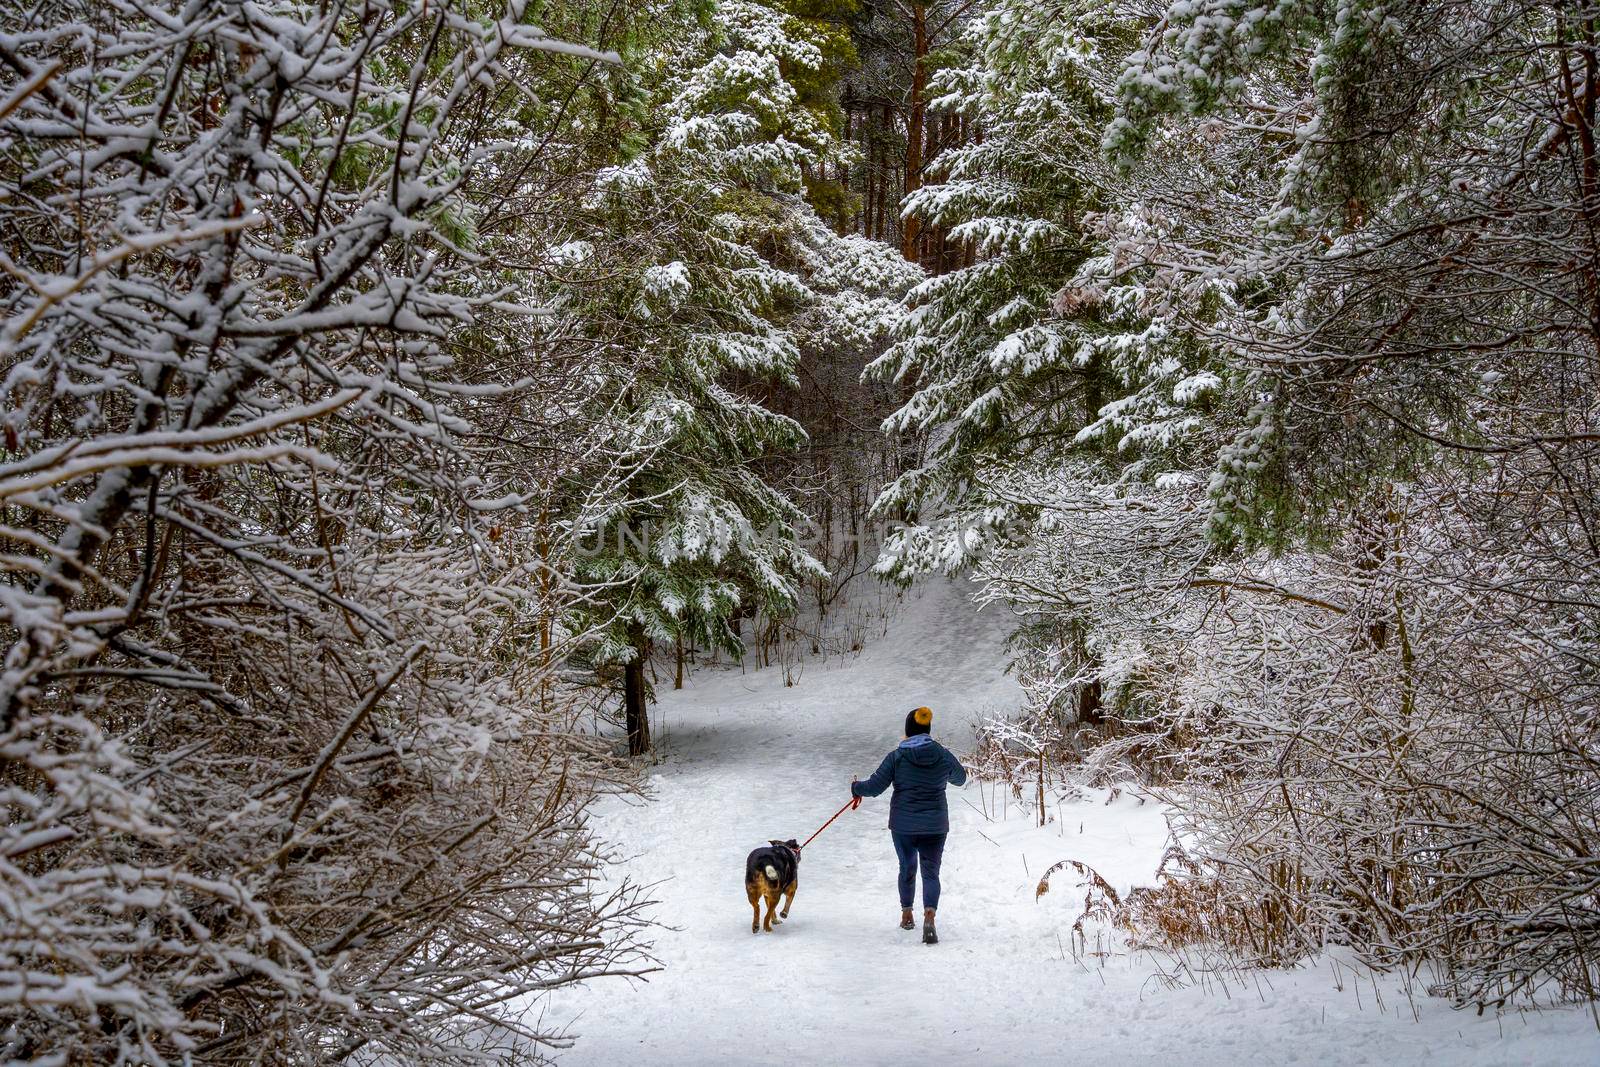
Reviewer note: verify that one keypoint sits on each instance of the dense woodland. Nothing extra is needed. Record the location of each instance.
(397, 394)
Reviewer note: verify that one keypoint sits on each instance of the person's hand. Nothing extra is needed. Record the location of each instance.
(855, 801)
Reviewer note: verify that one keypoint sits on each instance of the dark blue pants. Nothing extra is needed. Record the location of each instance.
(929, 848)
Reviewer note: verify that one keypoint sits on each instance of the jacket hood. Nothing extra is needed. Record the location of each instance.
(921, 750)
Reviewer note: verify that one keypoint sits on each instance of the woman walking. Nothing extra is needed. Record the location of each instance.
(919, 768)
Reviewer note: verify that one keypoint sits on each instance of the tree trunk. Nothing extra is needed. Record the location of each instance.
(943, 253)
(928, 237)
(1042, 757)
(633, 695)
(1090, 709)
(910, 228)
(883, 180)
(870, 200)
(1091, 695)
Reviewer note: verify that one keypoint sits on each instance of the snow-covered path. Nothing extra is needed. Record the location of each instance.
(748, 759)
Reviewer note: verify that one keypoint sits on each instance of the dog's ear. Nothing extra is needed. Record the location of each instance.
(775, 843)
(792, 843)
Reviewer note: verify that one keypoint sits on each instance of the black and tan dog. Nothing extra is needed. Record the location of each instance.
(772, 872)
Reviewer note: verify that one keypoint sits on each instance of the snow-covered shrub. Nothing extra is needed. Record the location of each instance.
(1277, 420)
(280, 781)
(1398, 760)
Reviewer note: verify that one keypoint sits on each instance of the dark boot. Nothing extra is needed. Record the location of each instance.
(930, 936)
(906, 921)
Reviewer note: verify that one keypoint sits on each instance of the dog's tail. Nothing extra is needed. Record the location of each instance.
(771, 872)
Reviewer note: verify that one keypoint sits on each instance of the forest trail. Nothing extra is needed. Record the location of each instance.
(747, 759)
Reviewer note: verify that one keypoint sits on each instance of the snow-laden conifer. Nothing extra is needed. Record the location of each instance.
(718, 271)
(1316, 551)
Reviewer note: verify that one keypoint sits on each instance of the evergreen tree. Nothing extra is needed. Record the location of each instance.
(1300, 429)
(701, 281)
(999, 357)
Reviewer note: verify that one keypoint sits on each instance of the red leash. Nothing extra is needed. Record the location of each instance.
(853, 802)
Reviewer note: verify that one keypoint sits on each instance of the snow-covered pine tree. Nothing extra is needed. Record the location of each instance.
(997, 376)
(701, 283)
(1332, 550)
(1067, 418)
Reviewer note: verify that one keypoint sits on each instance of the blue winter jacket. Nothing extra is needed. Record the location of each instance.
(918, 768)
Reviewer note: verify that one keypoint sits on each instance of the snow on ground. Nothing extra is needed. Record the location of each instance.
(747, 759)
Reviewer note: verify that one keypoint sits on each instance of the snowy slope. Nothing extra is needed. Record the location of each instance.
(839, 983)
